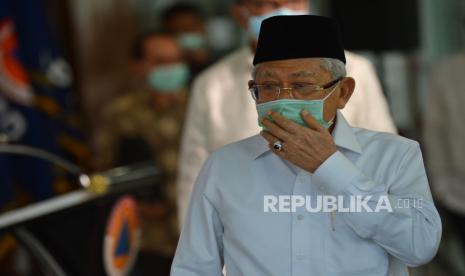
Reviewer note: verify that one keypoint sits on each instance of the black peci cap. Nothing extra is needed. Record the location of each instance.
(299, 36)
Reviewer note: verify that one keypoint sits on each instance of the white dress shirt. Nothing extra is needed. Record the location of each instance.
(221, 111)
(444, 133)
(226, 223)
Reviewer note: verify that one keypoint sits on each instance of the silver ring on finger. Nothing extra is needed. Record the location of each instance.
(278, 145)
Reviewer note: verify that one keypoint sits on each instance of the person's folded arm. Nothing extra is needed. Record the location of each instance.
(411, 234)
(200, 247)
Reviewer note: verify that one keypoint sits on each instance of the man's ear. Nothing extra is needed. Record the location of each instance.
(347, 88)
(239, 14)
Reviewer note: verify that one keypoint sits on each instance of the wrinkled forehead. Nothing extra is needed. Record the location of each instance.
(308, 68)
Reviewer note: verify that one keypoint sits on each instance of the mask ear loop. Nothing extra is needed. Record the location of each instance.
(332, 91)
(331, 122)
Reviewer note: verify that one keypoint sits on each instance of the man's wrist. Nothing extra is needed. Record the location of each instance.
(331, 153)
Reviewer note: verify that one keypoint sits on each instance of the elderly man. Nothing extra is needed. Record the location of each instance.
(247, 209)
(218, 94)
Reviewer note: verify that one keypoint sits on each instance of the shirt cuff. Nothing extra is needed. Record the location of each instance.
(336, 174)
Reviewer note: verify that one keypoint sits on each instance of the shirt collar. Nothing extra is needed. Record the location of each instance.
(343, 136)
(259, 147)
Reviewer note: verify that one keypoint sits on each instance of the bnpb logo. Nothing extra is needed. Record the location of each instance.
(122, 238)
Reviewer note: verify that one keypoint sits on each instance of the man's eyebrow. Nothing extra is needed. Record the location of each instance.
(305, 73)
(266, 73)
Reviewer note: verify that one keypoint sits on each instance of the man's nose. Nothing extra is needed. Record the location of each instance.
(285, 93)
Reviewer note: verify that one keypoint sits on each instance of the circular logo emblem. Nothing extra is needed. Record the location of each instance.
(122, 238)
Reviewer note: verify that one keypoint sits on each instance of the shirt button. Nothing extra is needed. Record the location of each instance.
(300, 257)
(300, 217)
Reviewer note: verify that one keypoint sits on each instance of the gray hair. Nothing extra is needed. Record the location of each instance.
(335, 67)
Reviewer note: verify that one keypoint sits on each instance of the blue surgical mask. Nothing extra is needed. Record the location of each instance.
(291, 109)
(191, 41)
(256, 21)
(169, 78)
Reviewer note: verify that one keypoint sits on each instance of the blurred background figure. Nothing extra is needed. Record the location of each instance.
(187, 23)
(444, 134)
(144, 125)
(222, 111)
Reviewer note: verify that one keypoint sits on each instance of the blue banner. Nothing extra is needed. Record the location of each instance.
(36, 101)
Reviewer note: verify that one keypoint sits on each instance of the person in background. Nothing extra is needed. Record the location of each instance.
(220, 110)
(186, 22)
(444, 133)
(144, 125)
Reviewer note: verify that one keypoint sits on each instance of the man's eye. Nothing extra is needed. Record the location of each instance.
(269, 87)
(301, 86)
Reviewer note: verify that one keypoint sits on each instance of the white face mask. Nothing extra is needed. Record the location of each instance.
(169, 78)
(256, 21)
(291, 109)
